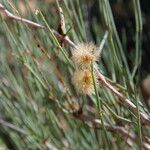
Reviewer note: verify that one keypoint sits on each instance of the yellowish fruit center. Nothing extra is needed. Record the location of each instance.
(87, 58)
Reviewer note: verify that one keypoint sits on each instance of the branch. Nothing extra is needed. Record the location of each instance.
(11, 126)
(35, 25)
(116, 129)
(14, 17)
(144, 118)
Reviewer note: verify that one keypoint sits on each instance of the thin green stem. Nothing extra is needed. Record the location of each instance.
(55, 40)
(99, 105)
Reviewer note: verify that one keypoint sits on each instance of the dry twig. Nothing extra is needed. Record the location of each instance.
(11, 126)
(116, 129)
(35, 25)
(144, 118)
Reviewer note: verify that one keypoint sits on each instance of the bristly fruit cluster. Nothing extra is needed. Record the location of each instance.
(83, 56)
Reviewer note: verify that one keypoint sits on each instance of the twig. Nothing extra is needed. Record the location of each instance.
(64, 38)
(61, 18)
(116, 129)
(11, 126)
(35, 25)
(144, 118)
(14, 17)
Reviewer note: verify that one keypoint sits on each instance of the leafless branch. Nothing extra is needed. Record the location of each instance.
(144, 118)
(11, 126)
(14, 17)
(35, 25)
(116, 129)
